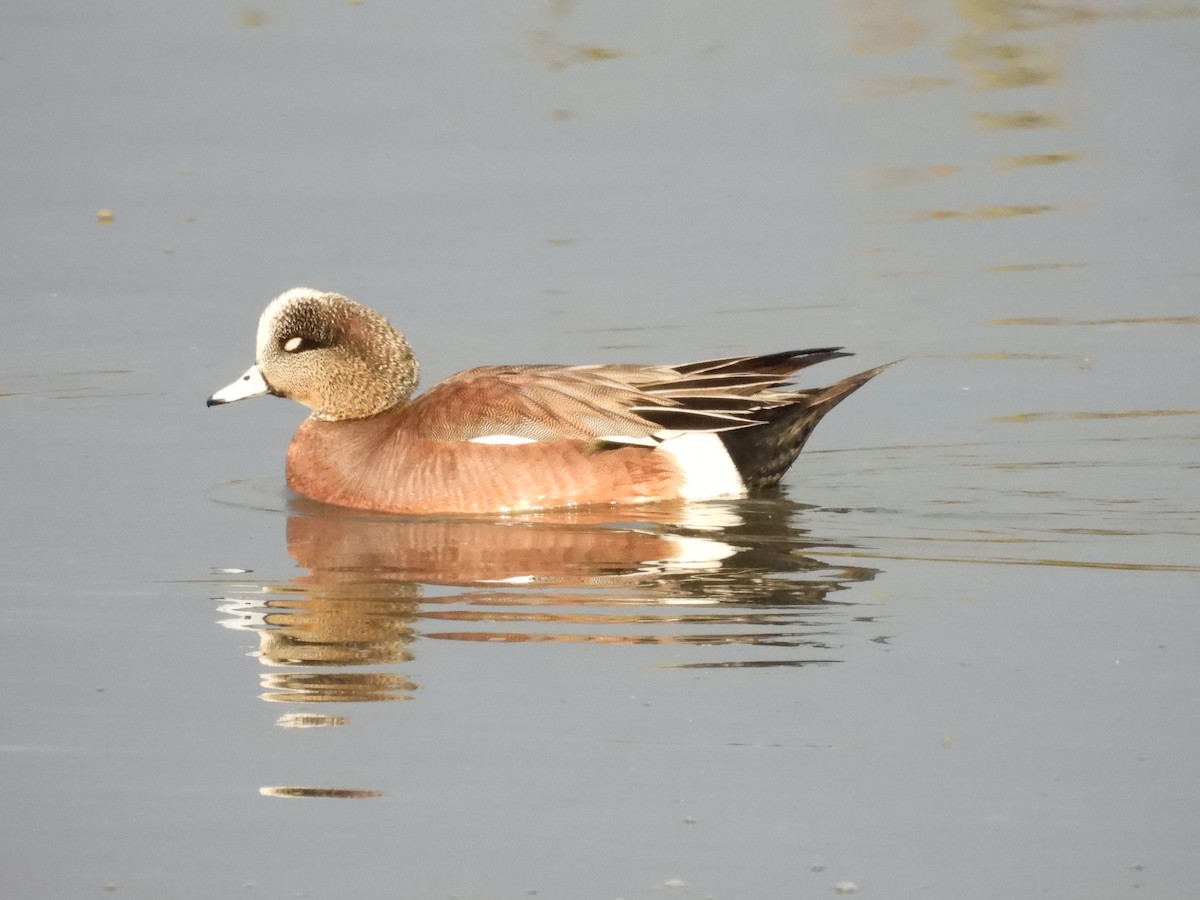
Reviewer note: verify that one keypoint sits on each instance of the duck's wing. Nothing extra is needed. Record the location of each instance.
(618, 403)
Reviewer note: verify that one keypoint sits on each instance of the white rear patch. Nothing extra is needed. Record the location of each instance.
(707, 469)
(502, 439)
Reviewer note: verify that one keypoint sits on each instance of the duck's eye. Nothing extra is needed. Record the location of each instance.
(297, 343)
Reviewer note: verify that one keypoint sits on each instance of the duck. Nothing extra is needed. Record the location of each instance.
(510, 439)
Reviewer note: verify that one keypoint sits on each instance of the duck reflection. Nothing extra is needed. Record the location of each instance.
(711, 575)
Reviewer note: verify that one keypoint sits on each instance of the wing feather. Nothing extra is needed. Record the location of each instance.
(552, 402)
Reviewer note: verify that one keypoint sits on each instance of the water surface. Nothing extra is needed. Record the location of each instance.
(954, 654)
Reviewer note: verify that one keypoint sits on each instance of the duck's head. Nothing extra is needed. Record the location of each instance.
(338, 358)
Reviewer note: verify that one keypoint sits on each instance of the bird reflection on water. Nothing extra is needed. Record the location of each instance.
(740, 582)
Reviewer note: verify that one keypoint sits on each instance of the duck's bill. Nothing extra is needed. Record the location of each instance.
(252, 384)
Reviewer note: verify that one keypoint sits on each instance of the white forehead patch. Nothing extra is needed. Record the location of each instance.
(270, 316)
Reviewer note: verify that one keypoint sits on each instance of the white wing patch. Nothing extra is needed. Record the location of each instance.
(626, 439)
(708, 471)
(502, 439)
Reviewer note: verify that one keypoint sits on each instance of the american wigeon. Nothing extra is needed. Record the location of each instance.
(508, 438)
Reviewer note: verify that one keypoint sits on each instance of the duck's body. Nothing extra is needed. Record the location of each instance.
(502, 439)
(386, 465)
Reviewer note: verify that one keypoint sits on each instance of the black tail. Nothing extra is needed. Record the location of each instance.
(763, 453)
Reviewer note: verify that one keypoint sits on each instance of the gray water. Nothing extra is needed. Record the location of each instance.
(953, 657)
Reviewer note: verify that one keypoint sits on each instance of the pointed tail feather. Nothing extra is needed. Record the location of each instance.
(785, 363)
(763, 453)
